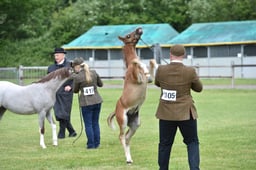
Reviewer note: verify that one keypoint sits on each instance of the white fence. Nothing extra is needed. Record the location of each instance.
(25, 75)
(22, 75)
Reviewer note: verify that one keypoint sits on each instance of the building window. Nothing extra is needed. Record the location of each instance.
(166, 53)
(188, 52)
(234, 50)
(225, 51)
(116, 54)
(85, 54)
(250, 50)
(88, 54)
(200, 52)
(101, 55)
(146, 53)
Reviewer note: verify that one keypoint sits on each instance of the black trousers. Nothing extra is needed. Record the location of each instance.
(65, 124)
(167, 132)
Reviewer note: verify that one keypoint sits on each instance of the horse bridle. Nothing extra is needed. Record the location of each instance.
(137, 34)
(132, 42)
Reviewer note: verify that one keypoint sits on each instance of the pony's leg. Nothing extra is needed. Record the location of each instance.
(122, 122)
(125, 146)
(54, 131)
(2, 110)
(133, 124)
(41, 129)
(146, 72)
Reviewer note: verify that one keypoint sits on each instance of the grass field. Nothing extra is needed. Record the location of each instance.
(226, 126)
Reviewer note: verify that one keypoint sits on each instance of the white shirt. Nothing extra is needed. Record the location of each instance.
(176, 61)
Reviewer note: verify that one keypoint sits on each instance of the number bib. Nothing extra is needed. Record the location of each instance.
(169, 95)
(88, 91)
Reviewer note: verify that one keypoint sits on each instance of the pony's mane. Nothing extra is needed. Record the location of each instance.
(62, 73)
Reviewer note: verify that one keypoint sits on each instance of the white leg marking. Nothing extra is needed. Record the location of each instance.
(54, 135)
(42, 144)
(128, 155)
(126, 149)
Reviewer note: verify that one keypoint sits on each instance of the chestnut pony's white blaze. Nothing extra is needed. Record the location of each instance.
(38, 97)
(133, 95)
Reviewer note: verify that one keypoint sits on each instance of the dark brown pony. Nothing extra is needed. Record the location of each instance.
(134, 93)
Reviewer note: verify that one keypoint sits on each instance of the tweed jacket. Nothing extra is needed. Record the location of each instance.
(89, 93)
(175, 81)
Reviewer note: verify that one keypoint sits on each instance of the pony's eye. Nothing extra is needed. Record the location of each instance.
(128, 36)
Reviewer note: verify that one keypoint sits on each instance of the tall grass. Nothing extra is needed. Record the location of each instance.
(226, 126)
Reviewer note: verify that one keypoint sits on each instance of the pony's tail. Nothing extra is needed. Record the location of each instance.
(110, 120)
(2, 110)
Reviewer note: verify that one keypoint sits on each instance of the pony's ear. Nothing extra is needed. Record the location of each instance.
(120, 38)
(71, 64)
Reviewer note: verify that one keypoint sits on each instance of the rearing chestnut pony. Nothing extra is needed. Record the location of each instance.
(134, 93)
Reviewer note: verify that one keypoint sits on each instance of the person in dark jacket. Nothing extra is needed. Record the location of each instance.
(86, 81)
(176, 108)
(64, 96)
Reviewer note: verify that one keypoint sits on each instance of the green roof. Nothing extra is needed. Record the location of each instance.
(106, 36)
(218, 33)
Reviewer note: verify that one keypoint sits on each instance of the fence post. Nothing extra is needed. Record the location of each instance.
(197, 69)
(157, 50)
(232, 74)
(20, 75)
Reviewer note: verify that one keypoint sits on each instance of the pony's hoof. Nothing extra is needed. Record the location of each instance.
(150, 80)
(43, 146)
(55, 144)
(129, 162)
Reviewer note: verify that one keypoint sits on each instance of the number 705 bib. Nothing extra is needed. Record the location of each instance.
(169, 95)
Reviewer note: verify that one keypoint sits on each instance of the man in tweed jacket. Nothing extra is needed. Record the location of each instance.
(176, 108)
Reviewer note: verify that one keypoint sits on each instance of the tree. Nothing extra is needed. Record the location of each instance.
(221, 10)
(32, 28)
(20, 19)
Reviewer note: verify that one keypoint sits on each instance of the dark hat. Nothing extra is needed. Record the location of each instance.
(77, 61)
(178, 50)
(59, 50)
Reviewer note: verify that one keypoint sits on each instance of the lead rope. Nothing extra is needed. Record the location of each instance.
(153, 51)
(81, 121)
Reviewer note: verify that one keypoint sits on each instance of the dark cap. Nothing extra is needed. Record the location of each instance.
(59, 50)
(77, 61)
(178, 50)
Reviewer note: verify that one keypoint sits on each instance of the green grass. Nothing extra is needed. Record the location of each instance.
(226, 81)
(226, 126)
(206, 81)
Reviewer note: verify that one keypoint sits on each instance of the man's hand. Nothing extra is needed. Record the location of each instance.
(67, 88)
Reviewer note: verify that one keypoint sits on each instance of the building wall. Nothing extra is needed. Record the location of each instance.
(222, 66)
(112, 64)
